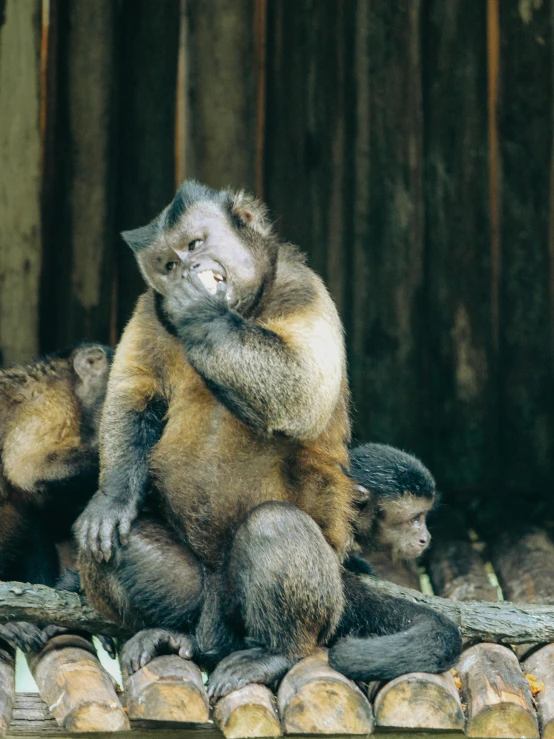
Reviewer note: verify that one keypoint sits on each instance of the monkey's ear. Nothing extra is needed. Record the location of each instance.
(90, 361)
(247, 212)
(139, 238)
(363, 496)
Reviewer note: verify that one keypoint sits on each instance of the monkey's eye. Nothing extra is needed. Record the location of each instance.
(170, 266)
(195, 243)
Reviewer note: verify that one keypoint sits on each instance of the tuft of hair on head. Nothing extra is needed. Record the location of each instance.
(390, 472)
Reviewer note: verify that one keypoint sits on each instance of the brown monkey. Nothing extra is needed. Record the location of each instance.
(228, 403)
(395, 493)
(49, 418)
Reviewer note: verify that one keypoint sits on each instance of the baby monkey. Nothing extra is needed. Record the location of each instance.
(395, 494)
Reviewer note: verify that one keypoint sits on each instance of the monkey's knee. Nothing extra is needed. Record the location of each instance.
(287, 579)
(153, 581)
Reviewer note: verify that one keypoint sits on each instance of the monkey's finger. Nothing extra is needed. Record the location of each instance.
(109, 645)
(186, 652)
(106, 537)
(82, 535)
(145, 658)
(124, 530)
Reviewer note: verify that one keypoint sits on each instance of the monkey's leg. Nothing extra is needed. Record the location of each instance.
(286, 583)
(381, 637)
(154, 584)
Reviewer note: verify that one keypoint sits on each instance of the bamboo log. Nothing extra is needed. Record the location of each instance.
(7, 690)
(541, 666)
(248, 712)
(503, 622)
(315, 699)
(499, 701)
(77, 689)
(419, 701)
(168, 688)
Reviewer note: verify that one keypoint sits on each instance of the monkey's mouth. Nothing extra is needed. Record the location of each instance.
(211, 279)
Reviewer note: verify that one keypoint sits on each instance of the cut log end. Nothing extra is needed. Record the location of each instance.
(168, 689)
(420, 701)
(248, 712)
(315, 699)
(541, 666)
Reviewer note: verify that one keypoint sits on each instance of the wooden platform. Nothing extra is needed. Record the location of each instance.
(495, 691)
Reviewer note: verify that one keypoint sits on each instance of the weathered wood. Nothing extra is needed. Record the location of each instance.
(306, 167)
(419, 701)
(457, 571)
(526, 308)
(499, 702)
(7, 690)
(220, 93)
(149, 37)
(20, 179)
(167, 689)
(315, 699)
(402, 572)
(541, 666)
(384, 276)
(459, 332)
(77, 689)
(248, 712)
(502, 622)
(78, 261)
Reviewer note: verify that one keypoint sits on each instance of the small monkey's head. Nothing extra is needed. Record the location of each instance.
(395, 492)
(223, 237)
(91, 366)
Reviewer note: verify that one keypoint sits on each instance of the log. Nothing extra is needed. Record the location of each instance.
(168, 688)
(77, 689)
(20, 179)
(315, 699)
(7, 690)
(457, 571)
(506, 623)
(499, 701)
(248, 712)
(419, 701)
(541, 666)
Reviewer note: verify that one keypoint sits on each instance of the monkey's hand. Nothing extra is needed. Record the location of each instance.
(150, 643)
(104, 525)
(194, 295)
(22, 635)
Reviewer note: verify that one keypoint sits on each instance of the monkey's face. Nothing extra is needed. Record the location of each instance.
(401, 528)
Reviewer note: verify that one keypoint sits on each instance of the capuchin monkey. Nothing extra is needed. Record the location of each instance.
(49, 419)
(227, 414)
(395, 493)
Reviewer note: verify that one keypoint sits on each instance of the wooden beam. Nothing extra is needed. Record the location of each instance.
(20, 179)
(248, 713)
(7, 690)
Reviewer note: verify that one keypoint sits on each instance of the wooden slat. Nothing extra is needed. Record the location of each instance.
(459, 336)
(248, 712)
(306, 169)
(498, 697)
(7, 689)
(149, 37)
(20, 180)
(526, 318)
(541, 666)
(167, 689)
(220, 96)
(78, 262)
(315, 699)
(419, 701)
(78, 691)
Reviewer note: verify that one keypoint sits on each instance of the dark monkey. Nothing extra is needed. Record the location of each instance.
(228, 404)
(49, 419)
(395, 494)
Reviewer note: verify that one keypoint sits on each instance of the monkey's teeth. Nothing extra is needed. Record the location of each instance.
(209, 280)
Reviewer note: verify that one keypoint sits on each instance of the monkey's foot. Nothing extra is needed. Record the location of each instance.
(25, 636)
(150, 643)
(255, 665)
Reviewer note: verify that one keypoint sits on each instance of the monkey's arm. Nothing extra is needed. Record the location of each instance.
(132, 423)
(284, 376)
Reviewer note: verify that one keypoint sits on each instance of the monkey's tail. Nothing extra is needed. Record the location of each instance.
(424, 647)
(70, 580)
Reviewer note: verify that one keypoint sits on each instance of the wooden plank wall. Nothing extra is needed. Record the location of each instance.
(407, 147)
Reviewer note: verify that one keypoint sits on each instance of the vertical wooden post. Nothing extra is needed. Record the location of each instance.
(459, 315)
(77, 283)
(20, 183)
(7, 689)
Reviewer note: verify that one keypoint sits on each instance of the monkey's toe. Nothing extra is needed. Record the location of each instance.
(249, 666)
(150, 643)
(22, 635)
